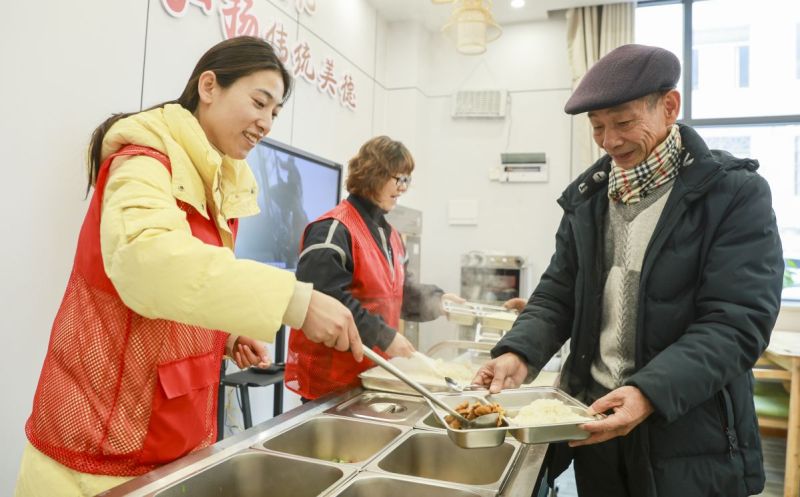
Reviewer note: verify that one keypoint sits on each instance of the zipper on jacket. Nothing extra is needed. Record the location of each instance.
(386, 251)
(726, 414)
(591, 313)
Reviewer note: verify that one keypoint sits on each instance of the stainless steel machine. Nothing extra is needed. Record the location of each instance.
(494, 278)
(491, 279)
(408, 222)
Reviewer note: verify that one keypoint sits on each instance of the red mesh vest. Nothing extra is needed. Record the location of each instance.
(312, 370)
(120, 394)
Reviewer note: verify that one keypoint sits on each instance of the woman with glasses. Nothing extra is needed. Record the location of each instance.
(354, 255)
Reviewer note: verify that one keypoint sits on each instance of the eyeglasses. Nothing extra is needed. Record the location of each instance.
(402, 181)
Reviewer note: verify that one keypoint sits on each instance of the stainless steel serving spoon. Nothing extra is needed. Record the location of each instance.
(485, 421)
(458, 387)
(482, 395)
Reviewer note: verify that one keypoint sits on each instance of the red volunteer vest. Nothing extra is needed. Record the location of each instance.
(313, 370)
(120, 394)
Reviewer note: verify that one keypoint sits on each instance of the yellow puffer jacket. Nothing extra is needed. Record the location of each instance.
(158, 268)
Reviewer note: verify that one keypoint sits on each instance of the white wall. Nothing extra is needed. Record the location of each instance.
(454, 155)
(109, 56)
(53, 94)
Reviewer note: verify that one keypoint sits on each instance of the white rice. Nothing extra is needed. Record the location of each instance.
(546, 412)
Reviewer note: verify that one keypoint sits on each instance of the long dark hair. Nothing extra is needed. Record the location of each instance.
(229, 60)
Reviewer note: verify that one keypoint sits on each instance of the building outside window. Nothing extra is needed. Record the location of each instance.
(742, 91)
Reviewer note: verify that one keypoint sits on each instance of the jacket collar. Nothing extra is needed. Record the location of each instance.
(701, 168)
(200, 174)
(207, 162)
(369, 211)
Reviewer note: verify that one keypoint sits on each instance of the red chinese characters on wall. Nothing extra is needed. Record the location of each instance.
(276, 36)
(326, 82)
(347, 92)
(301, 56)
(236, 19)
(177, 8)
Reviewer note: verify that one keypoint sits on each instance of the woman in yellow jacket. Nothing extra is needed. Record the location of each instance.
(131, 372)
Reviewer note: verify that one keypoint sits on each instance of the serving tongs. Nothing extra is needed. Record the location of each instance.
(485, 421)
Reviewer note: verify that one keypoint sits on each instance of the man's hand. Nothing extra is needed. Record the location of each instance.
(248, 352)
(515, 304)
(630, 407)
(506, 371)
(400, 346)
(331, 323)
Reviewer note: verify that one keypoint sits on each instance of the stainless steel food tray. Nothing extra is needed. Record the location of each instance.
(383, 406)
(249, 472)
(475, 354)
(489, 316)
(468, 439)
(512, 400)
(368, 483)
(463, 316)
(334, 439)
(498, 320)
(429, 456)
(371, 380)
(467, 350)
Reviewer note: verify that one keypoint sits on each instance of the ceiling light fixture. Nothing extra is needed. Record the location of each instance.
(517, 4)
(471, 26)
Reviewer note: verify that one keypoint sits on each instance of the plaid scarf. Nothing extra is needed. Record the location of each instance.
(631, 185)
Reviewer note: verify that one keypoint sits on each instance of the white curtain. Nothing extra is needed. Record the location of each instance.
(591, 33)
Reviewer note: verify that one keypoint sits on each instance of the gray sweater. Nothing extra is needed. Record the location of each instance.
(628, 230)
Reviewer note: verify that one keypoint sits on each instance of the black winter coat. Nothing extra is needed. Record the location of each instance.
(709, 296)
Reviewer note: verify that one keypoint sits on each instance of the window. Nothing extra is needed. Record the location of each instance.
(741, 91)
(797, 165)
(744, 66)
(797, 51)
(738, 146)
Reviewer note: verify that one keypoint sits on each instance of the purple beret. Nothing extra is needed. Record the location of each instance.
(624, 74)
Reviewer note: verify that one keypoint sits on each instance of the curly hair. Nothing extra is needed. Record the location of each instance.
(377, 160)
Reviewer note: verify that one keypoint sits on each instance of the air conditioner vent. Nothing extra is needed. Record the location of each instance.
(480, 103)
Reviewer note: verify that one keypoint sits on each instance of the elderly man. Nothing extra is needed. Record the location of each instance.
(667, 278)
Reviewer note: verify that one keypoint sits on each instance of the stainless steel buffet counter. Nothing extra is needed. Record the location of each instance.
(352, 444)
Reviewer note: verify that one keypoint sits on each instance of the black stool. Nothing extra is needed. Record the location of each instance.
(243, 380)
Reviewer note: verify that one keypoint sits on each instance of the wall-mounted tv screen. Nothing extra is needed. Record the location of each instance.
(295, 187)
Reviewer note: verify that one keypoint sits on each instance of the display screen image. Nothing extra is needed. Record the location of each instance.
(295, 188)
